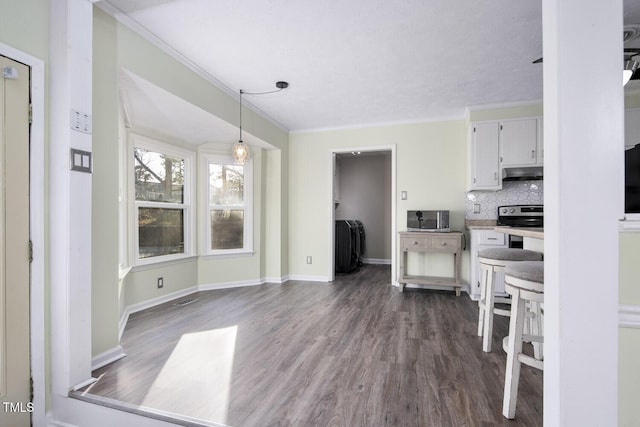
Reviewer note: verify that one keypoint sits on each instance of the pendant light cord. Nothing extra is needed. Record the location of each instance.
(241, 92)
(281, 85)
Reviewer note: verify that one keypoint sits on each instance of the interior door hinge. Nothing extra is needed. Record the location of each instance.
(30, 113)
(30, 251)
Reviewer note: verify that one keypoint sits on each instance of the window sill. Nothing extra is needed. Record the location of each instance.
(222, 255)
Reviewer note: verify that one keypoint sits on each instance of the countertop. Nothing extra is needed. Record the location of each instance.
(534, 232)
(480, 224)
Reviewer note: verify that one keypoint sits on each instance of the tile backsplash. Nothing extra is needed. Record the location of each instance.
(512, 193)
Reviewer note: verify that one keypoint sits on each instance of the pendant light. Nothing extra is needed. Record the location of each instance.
(240, 150)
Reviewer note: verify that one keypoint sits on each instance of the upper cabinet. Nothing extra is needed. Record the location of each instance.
(631, 127)
(494, 145)
(520, 143)
(485, 156)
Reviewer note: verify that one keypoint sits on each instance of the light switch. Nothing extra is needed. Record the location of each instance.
(403, 195)
(80, 160)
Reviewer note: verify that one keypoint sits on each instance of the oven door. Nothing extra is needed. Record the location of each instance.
(515, 241)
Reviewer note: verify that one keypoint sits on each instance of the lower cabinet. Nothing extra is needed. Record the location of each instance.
(482, 239)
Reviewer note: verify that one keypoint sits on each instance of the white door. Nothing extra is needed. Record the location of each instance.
(15, 375)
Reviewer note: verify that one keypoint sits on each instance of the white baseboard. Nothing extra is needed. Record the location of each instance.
(182, 293)
(275, 279)
(109, 356)
(134, 308)
(309, 278)
(381, 261)
(161, 299)
(229, 285)
(629, 316)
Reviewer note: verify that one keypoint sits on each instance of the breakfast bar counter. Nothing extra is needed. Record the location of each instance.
(533, 232)
(532, 237)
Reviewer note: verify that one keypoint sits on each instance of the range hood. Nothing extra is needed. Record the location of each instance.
(528, 173)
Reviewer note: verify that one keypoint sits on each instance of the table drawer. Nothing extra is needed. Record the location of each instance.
(444, 243)
(410, 243)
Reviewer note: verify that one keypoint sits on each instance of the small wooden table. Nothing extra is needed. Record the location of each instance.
(426, 242)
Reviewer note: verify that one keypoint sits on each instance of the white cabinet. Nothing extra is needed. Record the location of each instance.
(631, 127)
(484, 156)
(482, 239)
(519, 143)
(540, 141)
(494, 145)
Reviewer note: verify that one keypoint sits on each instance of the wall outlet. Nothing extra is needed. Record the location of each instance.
(160, 282)
(476, 208)
(309, 260)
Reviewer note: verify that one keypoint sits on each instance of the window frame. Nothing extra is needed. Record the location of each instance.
(208, 158)
(187, 206)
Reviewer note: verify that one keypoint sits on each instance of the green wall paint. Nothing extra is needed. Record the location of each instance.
(24, 25)
(629, 377)
(632, 100)
(141, 286)
(629, 268)
(105, 310)
(431, 167)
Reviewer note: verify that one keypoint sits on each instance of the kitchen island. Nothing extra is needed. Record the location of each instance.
(532, 237)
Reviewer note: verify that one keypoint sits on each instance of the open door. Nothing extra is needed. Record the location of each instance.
(15, 384)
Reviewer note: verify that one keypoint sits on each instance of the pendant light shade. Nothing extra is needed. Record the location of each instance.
(241, 150)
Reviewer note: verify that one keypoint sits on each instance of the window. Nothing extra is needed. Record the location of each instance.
(228, 203)
(162, 202)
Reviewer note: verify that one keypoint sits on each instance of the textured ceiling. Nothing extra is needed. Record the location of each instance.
(358, 62)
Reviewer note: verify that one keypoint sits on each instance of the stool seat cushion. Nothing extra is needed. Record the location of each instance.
(532, 271)
(510, 254)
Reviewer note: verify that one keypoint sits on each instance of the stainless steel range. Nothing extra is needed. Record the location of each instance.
(521, 215)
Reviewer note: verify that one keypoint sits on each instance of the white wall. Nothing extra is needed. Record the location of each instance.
(584, 165)
(365, 194)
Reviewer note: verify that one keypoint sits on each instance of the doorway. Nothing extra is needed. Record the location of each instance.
(380, 245)
(15, 253)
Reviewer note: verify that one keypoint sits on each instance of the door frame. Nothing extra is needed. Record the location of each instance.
(332, 211)
(36, 225)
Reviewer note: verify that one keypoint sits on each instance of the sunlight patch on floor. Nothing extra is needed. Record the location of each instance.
(200, 367)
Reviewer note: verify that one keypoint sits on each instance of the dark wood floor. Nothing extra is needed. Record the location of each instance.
(354, 352)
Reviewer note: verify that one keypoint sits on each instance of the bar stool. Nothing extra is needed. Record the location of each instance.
(491, 261)
(525, 282)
